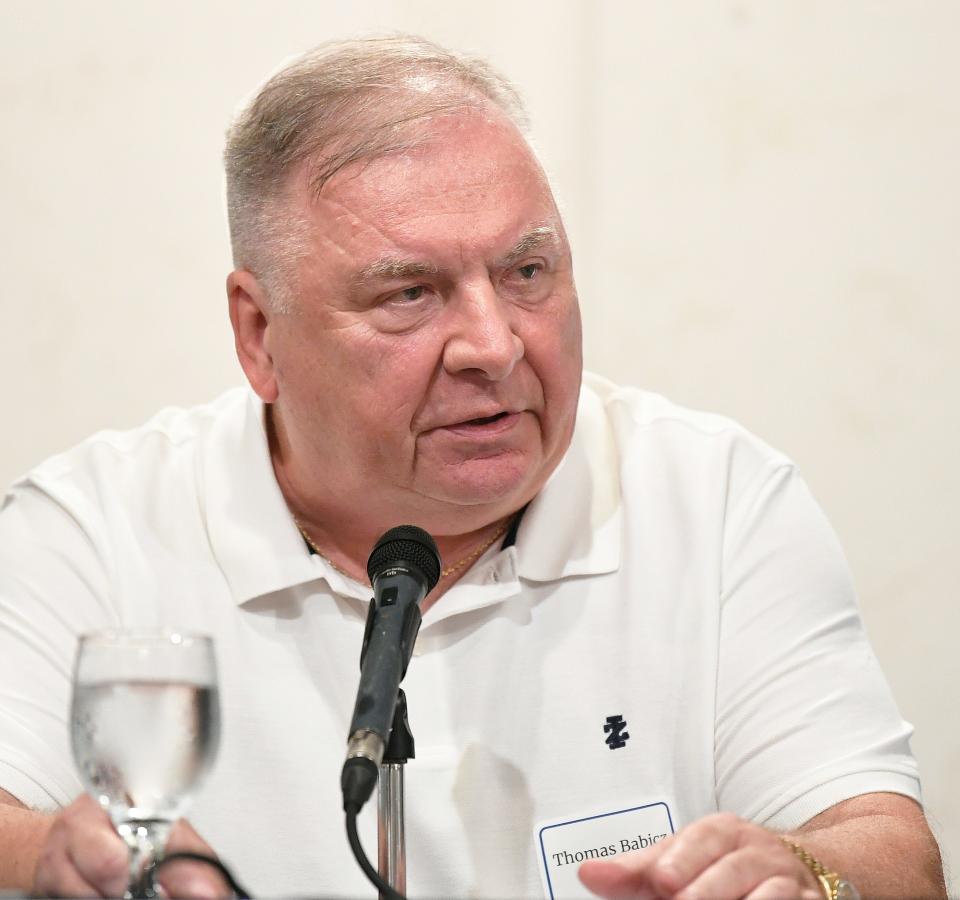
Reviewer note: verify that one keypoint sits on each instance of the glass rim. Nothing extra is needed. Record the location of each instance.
(132, 636)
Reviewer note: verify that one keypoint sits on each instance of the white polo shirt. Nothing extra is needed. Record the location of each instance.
(673, 633)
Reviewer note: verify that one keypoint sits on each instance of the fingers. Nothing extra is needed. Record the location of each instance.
(738, 873)
(720, 857)
(183, 878)
(629, 876)
(695, 850)
(668, 866)
(198, 881)
(67, 883)
(614, 880)
(100, 857)
(185, 839)
(781, 888)
(82, 855)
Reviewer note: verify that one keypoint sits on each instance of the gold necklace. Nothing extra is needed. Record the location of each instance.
(316, 549)
(472, 555)
(476, 553)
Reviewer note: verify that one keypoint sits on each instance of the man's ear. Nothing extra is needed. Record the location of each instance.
(250, 316)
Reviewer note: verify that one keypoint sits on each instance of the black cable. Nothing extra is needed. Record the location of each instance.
(386, 892)
(235, 885)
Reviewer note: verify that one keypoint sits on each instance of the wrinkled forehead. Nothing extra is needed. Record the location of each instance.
(469, 175)
(457, 155)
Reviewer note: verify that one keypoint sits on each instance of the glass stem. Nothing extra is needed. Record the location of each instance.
(146, 840)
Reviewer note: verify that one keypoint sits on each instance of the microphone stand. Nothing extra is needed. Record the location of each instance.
(391, 836)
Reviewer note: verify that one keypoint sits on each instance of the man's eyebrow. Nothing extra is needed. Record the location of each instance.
(393, 268)
(537, 237)
(390, 268)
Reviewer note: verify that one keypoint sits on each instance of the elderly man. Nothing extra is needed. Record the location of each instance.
(643, 638)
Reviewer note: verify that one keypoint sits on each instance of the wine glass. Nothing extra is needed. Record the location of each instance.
(144, 726)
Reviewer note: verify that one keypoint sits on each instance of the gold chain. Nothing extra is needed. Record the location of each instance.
(479, 551)
(304, 534)
(443, 572)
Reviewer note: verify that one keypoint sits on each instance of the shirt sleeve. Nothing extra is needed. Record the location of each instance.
(805, 717)
(53, 587)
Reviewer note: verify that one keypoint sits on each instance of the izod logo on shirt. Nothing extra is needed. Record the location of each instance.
(564, 845)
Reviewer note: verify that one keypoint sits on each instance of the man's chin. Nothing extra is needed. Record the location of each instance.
(501, 483)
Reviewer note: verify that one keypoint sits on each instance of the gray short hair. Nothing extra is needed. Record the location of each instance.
(341, 102)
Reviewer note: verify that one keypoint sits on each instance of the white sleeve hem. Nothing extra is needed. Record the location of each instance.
(823, 796)
(20, 785)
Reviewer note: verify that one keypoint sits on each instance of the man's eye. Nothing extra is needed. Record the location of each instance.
(529, 271)
(412, 293)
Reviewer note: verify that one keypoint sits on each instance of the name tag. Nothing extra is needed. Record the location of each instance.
(564, 845)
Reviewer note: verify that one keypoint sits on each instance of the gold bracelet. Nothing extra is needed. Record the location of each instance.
(833, 885)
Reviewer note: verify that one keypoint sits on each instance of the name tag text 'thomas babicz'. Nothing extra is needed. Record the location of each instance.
(563, 845)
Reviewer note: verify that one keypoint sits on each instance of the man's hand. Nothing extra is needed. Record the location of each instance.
(84, 857)
(720, 857)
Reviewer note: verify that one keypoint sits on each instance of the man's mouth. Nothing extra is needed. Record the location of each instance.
(486, 420)
(487, 427)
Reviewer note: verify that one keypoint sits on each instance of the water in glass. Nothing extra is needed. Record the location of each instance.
(145, 728)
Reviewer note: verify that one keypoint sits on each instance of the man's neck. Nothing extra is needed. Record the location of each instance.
(455, 567)
(345, 540)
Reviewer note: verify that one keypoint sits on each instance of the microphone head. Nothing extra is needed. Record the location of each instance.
(406, 544)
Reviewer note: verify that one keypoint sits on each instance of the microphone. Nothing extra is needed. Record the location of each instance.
(404, 566)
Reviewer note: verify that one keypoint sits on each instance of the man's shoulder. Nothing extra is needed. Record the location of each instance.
(641, 418)
(111, 454)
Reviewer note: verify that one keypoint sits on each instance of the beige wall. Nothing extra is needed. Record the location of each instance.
(764, 199)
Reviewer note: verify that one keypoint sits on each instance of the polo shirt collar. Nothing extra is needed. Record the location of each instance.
(571, 528)
(252, 534)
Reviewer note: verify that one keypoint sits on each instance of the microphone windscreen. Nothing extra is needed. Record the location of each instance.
(406, 544)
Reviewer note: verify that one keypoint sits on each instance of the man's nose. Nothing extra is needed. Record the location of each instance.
(482, 336)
